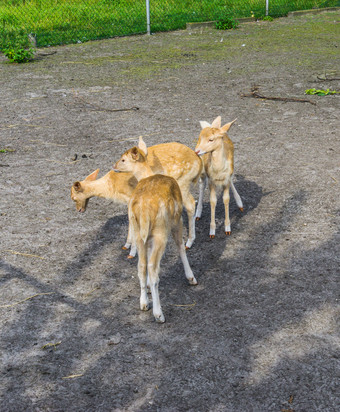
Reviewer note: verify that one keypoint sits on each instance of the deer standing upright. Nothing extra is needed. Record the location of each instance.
(217, 151)
(155, 210)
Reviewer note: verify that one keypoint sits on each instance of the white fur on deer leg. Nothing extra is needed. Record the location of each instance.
(156, 304)
(227, 229)
(187, 269)
(202, 185)
(144, 301)
(133, 251)
(126, 246)
(212, 232)
(192, 230)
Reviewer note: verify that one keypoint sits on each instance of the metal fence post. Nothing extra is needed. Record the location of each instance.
(267, 7)
(147, 16)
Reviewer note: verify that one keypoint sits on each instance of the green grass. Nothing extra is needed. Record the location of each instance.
(70, 21)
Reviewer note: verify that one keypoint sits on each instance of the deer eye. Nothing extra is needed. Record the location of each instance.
(123, 160)
(211, 140)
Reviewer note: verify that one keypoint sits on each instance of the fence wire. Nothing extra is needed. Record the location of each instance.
(53, 22)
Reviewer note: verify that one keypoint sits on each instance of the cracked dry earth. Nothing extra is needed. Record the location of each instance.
(260, 332)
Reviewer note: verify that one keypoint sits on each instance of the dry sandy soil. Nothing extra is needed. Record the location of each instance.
(260, 332)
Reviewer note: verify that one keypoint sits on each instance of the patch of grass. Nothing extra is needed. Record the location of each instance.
(55, 22)
(226, 23)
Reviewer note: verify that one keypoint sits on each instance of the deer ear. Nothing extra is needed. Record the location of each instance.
(227, 126)
(142, 145)
(204, 124)
(135, 153)
(92, 176)
(77, 187)
(217, 122)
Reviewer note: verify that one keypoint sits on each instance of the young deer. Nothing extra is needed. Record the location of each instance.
(155, 210)
(114, 186)
(172, 159)
(217, 152)
(180, 162)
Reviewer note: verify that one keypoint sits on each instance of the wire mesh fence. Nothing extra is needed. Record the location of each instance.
(53, 22)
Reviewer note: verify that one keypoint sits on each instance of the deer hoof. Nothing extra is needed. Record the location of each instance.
(241, 209)
(192, 282)
(228, 233)
(130, 257)
(160, 319)
(124, 248)
(197, 219)
(145, 306)
(212, 236)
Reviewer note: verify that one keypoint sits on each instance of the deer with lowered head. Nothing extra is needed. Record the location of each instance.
(114, 186)
(172, 159)
(155, 210)
(217, 152)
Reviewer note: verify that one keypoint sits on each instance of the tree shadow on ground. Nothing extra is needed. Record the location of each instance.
(255, 336)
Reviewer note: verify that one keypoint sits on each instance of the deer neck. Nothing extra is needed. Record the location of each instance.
(100, 187)
(143, 171)
(218, 158)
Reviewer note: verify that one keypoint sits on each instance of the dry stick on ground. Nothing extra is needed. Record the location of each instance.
(23, 254)
(50, 345)
(24, 300)
(328, 78)
(256, 94)
(84, 104)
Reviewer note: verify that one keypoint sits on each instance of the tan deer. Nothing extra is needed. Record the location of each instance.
(155, 210)
(114, 186)
(173, 159)
(217, 151)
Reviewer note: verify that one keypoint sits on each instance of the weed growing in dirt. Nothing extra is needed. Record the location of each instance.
(19, 55)
(226, 23)
(17, 50)
(320, 92)
(5, 150)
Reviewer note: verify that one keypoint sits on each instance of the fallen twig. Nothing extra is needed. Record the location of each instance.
(24, 300)
(257, 95)
(327, 78)
(91, 291)
(92, 106)
(73, 376)
(23, 254)
(46, 54)
(49, 345)
(190, 305)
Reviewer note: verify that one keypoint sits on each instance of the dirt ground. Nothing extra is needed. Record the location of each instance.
(260, 332)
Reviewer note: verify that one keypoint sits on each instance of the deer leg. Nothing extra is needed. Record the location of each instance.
(236, 196)
(155, 257)
(202, 184)
(226, 199)
(133, 249)
(129, 238)
(142, 256)
(213, 200)
(177, 233)
(189, 204)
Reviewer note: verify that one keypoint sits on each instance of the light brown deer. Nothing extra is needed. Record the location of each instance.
(173, 159)
(155, 210)
(217, 151)
(114, 186)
